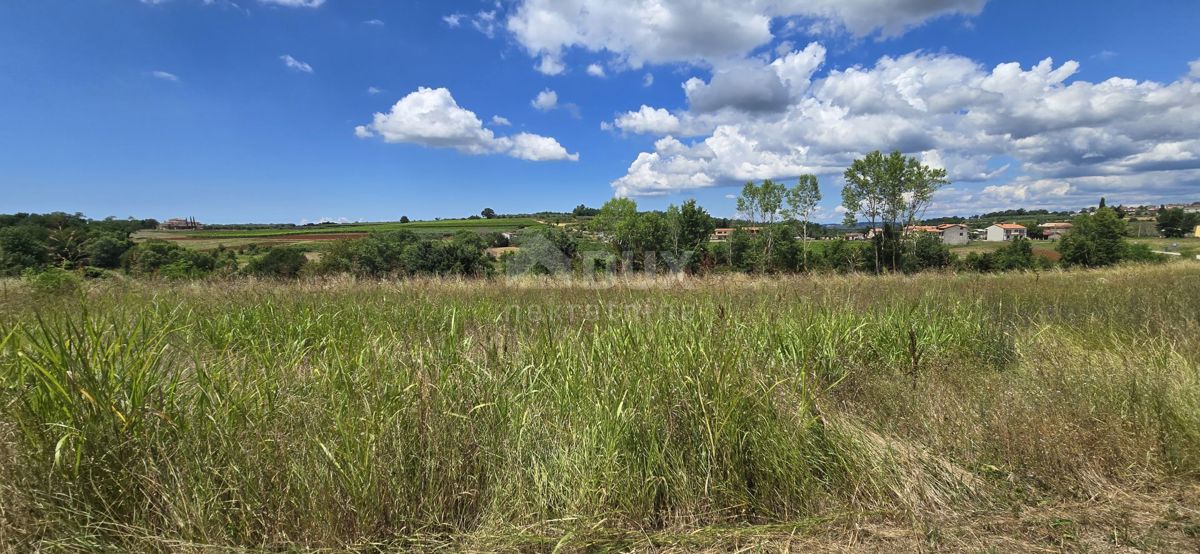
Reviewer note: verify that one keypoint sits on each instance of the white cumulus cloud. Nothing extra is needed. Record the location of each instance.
(545, 100)
(1062, 137)
(702, 31)
(431, 117)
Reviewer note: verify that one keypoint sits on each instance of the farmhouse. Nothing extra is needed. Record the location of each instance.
(1055, 231)
(722, 234)
(177, 223)
(1006, 231)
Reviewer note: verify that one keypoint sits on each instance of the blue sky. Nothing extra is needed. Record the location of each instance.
(265, 110)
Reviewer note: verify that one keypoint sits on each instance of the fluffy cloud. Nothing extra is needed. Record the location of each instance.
(703, 31)
(545, 101)
(1062, 138)
(431, 117)
(500, 120)
(647, 120)
(293, 63)
(595, 70)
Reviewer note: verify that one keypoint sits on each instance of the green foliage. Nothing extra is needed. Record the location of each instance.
(488, 213)
(1176, 223)
(106, 250)
(892, 189)
(403, 253)
(280, 262)
(22, 247)
(584, 211)
(51, 281)
(168, 260)
(1095, 240)
(929, 252)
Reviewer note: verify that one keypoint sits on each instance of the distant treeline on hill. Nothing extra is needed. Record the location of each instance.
(991, 217)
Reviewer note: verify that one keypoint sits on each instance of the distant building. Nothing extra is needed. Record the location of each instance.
(178, 223)
(855, 236)
(953, 234)
(1198, 231)
(1055, 231)
(1006, 231)
(722, 234)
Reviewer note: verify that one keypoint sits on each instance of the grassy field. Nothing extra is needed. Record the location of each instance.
(1018, 412)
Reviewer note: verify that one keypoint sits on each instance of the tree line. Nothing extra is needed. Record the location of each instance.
(888, 192)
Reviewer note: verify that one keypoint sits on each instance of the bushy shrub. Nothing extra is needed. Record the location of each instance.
(165, 259)
(1096, 240)
(51, 281)
(281, 262)
(106, 251)
(404, 253)
(22, 247)
(929, 252)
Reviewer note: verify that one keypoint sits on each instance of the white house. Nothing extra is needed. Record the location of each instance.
(951, 233)
(954, 234)
(1006, 231)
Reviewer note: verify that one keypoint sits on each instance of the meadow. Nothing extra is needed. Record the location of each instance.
(1013, 412)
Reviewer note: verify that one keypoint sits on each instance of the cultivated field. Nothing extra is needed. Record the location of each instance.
(1012, 412)
(208, 239)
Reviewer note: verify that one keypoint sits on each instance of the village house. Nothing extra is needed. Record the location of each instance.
(953, 234)
(1006, 231)
(1055, 231)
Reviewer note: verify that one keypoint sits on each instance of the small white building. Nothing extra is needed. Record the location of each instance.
(1006, 231)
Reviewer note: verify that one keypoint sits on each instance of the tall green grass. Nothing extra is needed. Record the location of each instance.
(539, 413)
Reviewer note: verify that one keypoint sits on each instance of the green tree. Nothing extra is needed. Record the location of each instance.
(865, 193)
(802, 201)
(929, 252)
(488, 213)
(762, 204)
(22, 247)
(689, 227)
(617, 222)
(892, 189)
(403, 219)
(105, 250)
(1176, 223)
(1095, 240)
